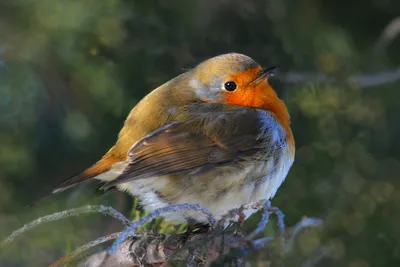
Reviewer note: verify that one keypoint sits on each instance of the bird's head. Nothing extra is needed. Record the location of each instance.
(239, 80)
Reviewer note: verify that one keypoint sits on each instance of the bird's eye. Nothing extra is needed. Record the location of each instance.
(230, 86)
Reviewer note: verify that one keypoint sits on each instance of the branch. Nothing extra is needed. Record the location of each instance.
(85, 247)
(361, 80)
(68, 213)
(389, 33)
(193, 249)
(153, 249)
(179, 207)
(156, 249)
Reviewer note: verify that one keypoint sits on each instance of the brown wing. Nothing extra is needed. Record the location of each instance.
(204, 141)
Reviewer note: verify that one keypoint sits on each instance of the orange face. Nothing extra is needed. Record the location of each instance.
(254, 91)
(248, 93)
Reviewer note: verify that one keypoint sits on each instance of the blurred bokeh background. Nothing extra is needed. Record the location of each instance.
(70, 71)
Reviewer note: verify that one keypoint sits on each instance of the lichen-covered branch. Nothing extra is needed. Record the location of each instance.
(156, 249)
(65, 214)
(153, 249)
(157, 213)
(190, 249)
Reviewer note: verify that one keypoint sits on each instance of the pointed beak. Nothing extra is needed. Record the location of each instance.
(266, 73)
(269, 72)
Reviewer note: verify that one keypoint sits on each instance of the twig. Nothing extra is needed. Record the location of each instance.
(281, 219)
(304, 77)
(68, 213)
(317, 257)
(260, 243)
(304, 223)
(362, 80)
(281, 226)
(85, 247)
(263, 223)
(236, 212)
(155, 214)
(375, 80)
(389, 33)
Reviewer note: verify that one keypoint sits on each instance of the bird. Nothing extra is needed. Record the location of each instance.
(217, 135)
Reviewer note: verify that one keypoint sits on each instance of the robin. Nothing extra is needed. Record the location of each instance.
(217, 135)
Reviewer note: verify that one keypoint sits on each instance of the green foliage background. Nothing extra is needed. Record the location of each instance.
(70, 71)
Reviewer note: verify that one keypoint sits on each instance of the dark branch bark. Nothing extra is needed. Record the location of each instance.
(157, 249)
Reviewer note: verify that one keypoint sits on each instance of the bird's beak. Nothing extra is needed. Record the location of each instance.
(266, 73)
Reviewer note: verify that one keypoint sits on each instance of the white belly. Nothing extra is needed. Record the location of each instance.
(244, 193)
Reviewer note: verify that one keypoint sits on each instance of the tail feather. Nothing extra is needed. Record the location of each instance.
(102, 166)
(77, 179)
(46, 193)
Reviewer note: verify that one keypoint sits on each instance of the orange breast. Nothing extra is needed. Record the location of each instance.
(259, 95)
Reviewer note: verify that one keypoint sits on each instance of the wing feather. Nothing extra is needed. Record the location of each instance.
(202, 142)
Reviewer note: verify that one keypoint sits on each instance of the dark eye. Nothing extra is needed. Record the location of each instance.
(230, 86)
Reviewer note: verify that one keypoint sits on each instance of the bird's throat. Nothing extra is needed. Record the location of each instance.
(262, 96)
